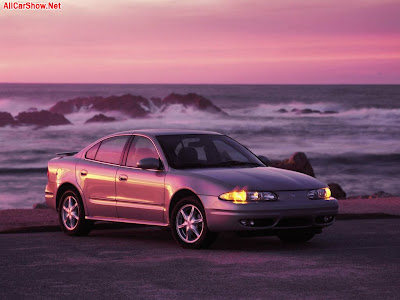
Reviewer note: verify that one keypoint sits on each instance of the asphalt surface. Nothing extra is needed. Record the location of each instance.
(353, 259)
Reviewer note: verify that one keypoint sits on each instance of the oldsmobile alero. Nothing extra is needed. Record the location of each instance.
(198, 183)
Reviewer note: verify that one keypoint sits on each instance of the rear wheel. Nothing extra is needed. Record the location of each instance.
(71, 214)
(295, 235)
(189, 224)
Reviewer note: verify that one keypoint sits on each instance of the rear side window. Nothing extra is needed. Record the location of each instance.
(91, 153)
(110, 150)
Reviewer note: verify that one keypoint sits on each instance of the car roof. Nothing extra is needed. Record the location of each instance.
(155, 132)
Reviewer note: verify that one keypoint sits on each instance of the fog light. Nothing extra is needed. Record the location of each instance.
(324, 219)
(248, 223)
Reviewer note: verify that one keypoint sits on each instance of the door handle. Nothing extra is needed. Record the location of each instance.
(83, 172)
(122, 177)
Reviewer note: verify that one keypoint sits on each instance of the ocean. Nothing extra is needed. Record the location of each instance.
(356, 144)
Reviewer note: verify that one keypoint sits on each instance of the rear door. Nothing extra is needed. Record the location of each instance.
(140, 193)
(96, 175)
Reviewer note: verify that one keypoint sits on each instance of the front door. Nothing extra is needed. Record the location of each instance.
(139, 192)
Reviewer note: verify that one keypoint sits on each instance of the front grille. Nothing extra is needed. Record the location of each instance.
(294, 222)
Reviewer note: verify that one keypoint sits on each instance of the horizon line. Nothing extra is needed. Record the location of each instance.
(233, 83)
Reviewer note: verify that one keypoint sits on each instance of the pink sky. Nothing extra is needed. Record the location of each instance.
(203, 41)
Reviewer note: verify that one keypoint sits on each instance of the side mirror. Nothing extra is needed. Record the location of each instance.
(264, 160)
(149, 163)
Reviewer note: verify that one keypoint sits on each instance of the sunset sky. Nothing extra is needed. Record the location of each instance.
(203, 41)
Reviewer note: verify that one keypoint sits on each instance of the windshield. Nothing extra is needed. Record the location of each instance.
(206, 151)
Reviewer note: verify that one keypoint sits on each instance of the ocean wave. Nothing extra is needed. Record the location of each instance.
(17, 105)
(292, 108)
(313, 110)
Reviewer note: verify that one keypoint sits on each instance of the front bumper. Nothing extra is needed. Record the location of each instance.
(282, 214)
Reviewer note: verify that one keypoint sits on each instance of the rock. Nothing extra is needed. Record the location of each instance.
(41, 118)
(192, 100)
(337, 191)
(298, 162)
(282, 110)
(380, 194)
(6, 119)
(310, 111)
(328, 112)
(306, 111)
(100, 118)
(42, 205)
(133, 106)
(157, 101)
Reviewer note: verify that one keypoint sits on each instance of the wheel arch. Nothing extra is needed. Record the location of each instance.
(183, 193)
(63, 188)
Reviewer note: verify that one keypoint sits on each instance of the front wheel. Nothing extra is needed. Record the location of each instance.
(295, 235)
(71, 214)
(189, 224)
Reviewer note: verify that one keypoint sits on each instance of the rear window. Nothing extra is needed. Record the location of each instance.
(91, 153)
(111, 150)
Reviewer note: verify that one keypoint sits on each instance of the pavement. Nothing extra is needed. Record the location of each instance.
(353, 259)
(43, 220)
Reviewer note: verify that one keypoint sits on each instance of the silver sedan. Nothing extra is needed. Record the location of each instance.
(198, 183)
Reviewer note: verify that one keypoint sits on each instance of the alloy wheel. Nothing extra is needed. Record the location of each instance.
(70, 213)
(189, 223)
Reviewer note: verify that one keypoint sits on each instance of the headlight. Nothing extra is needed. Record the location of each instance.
(243, 196)
(324, 193)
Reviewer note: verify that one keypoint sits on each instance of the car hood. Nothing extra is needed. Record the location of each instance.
(259, 178)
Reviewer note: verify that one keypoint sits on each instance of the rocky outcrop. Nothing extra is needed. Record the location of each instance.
(157, 101)
(6, 119)
(133, 106)
(307, 111)
(100, 118)
(337, 191)
(298, 162)
(192, 100)
(41, 118)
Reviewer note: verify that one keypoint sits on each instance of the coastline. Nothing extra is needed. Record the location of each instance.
(46, 220)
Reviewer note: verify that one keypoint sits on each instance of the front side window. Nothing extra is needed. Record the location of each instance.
(140, 148)
(206, 151)
(110, 150)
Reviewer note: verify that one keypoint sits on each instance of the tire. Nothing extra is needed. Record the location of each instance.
(71, 215)
(295, 235)
(196, 234)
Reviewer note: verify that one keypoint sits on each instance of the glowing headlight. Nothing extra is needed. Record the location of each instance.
(245, 197)
(324, 193)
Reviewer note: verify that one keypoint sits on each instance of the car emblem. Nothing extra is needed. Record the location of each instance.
(293, 195)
